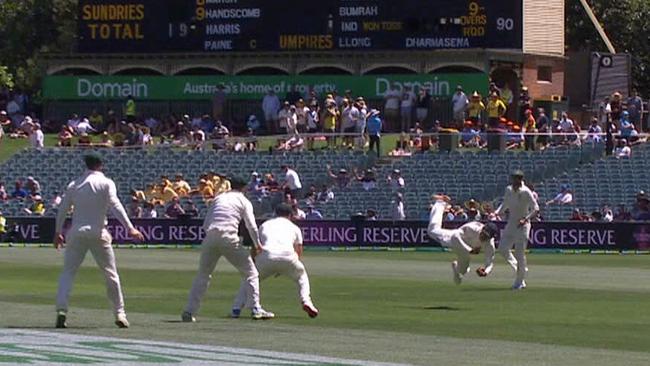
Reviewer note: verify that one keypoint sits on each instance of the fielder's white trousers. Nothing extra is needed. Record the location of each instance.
(77, 244)
(517, 237)
(268, 266)
(446, 237)
(215, 245)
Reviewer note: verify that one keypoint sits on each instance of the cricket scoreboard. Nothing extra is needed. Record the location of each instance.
(213, 26)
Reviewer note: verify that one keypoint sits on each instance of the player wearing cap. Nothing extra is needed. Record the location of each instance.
(281, 243)
(522, 206)
(469, 238)
(90, 196)
(221, 226)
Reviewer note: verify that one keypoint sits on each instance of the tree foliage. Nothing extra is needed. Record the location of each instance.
(30, 28)
(626, 22)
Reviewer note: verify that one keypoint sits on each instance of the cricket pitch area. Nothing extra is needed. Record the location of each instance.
(376, 308)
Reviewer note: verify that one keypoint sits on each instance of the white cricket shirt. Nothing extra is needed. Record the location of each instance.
(278, 237)
(521, 204)
(92, 195)
(469, 235)
(226, 212)
(293, 180)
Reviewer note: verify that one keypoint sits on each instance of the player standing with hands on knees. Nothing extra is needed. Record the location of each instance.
(467, 239)
(281, 243)
(90, 196)
(221, 226)
(522, 207)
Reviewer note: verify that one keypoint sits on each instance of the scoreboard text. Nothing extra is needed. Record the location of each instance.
(287, 25)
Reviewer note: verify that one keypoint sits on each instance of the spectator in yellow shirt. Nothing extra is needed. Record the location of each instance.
(475, 108)
(38, 207)
(168, 194)
(329, 123)
(180, 185)
(139, 196)
(204, 189)
(495, 110)
(164, 181)
(223, 186)
(153, 194)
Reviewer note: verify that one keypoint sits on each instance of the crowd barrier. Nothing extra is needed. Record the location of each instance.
(591, 236)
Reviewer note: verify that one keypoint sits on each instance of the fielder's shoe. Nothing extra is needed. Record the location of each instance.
(61, 319)
(235, 313)
(519, 286)
(310, 309)
(121, 321)
(187, 317)
(457, 277)
(262, 314)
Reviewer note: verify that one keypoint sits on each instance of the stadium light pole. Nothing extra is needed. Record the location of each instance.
(599, 28)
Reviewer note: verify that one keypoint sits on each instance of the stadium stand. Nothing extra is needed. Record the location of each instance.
(463, 175)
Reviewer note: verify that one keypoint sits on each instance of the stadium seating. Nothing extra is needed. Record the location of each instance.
(463, 175)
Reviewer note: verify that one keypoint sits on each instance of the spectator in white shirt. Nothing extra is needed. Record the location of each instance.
(291, 181)
(566, 124)
(295, 143)
(459, 104)
(271, 106)
(398, 208)
(594, 133)
(349, 117)
(84, 126)
(325, 195)
(604, 111)
(36, 138)
(406, 108)
(298, 214)
(302, 112)
(565, 197)
(392, 100)
(395, 180)
(286, 118)
(73, 122)
(623, 150)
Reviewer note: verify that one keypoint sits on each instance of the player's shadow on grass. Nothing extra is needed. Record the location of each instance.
(442, 308)
(489, 289)
(45, 327)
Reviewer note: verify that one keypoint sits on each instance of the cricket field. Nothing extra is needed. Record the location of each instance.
(375, 308)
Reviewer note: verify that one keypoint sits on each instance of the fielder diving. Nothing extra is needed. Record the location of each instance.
(463, 241)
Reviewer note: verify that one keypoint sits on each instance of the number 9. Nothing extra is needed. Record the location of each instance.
(473, 8)
(200, 13)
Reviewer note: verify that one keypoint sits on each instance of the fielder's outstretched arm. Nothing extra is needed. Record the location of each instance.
(489, 249)
(251, 224)
(116, 207)
(64, 207)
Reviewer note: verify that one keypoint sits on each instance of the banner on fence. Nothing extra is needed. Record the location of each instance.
(412, 234)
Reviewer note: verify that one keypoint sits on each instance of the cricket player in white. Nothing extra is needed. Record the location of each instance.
(522, 206)
(467, 239)
(221, 227)
(281, 243)
(90, 196)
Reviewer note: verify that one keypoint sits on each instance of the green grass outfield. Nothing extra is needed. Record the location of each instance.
(383, 306)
